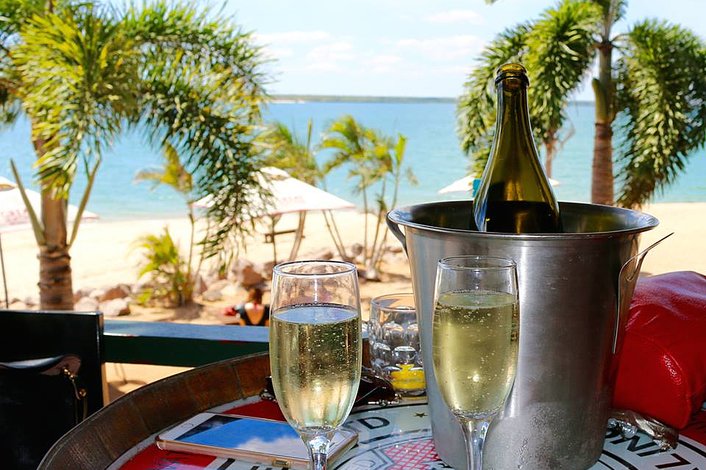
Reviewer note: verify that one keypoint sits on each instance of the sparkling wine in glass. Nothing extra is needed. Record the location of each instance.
(475, 341)
(315, 348)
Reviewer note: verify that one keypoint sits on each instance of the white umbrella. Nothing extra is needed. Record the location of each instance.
(5, 185)
(290, 195)
(14, 215)
(469, 183)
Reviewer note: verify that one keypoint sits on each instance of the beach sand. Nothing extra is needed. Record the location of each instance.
(104, 255)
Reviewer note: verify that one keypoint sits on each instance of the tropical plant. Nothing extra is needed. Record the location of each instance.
(169, 279)
(372, 159)
(81, 72)
(655, 91)
(283, 149)
(393, 169)
(174, 174)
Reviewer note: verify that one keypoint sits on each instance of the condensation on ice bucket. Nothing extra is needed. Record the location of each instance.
(575, 288)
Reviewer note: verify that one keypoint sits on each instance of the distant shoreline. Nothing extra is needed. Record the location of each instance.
(287, 98)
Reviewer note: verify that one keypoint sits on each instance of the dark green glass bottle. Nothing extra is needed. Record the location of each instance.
(514, 195)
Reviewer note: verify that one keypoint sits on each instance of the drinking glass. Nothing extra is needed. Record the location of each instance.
(315, 348)
(393, 335)
(475, 339)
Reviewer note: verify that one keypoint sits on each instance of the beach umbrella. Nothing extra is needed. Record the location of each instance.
(290, 195)
(5, 185)
(13, 212)
(470, 184)
(14, 215)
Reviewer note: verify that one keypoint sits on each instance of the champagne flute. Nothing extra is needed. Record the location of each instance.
(475, 339)
(315, 348)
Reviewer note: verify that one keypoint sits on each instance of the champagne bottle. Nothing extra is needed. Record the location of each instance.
(514, 195)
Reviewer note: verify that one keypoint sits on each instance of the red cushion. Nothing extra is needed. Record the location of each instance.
(662, 364)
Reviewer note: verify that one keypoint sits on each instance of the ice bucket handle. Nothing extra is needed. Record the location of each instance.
(395, 229)
(626, 285)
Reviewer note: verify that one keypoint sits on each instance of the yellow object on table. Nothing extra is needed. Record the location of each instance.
(409, 378)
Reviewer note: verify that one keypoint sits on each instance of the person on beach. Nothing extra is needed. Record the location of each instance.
(253, 312)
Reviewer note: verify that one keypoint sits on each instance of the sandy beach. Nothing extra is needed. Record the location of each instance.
(104, 255)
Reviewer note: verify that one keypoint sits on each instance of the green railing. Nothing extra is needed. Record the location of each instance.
(179, 344)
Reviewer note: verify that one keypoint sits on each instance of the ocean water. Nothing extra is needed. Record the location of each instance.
(433, 154)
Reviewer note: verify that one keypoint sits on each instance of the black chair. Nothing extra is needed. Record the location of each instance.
(51, 377)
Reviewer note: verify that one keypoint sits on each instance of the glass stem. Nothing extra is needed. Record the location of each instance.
(318, 452)
(474, 431)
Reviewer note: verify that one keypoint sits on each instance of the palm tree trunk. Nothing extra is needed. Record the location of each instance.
(365, 227)
(190, 275)
(378, 223)
(55, 284)
(603, 89)
(550, 148)
(602, 185)
(335, 235)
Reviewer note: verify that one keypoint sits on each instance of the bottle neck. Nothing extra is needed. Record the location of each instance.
(513, 111)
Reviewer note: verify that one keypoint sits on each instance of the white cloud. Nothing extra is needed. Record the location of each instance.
(384, 63)
(445, 48)
(456, 16)
(334, 52)
(277, 53)
(293, 37)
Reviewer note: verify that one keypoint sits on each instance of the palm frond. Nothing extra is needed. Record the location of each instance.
(201, 91)
(172, 173)
(78, 78)
(611, 10)
(560, 51)
(476, 107)
(284, 149)
(15, 13)
(200, 41)
(91, 178)
(35, 220)
(662, 96)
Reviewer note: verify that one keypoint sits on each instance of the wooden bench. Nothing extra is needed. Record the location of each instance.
(270, 236)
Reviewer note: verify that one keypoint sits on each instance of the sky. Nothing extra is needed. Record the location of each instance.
(417, 48)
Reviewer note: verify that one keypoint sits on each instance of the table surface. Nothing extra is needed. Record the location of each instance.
(399, 437)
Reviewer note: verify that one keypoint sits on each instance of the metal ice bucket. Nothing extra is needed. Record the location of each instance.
(575, 289)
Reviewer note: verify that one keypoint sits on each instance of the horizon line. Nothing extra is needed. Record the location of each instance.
(303, 97)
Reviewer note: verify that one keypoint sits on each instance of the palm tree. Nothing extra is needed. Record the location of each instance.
(655, 90)
(392, 157)
(174, 174)
(284, 149)
(371, 157)
(82, 72)
(353, 144)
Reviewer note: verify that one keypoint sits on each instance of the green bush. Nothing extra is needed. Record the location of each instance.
(168, 273)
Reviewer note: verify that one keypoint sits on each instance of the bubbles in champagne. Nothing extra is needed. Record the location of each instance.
(474, 347)
(316, 360)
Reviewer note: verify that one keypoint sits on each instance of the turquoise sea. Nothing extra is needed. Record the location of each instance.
(433, 154)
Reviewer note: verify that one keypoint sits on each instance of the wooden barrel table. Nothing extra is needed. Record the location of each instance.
(121, 435)
(106, 435)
